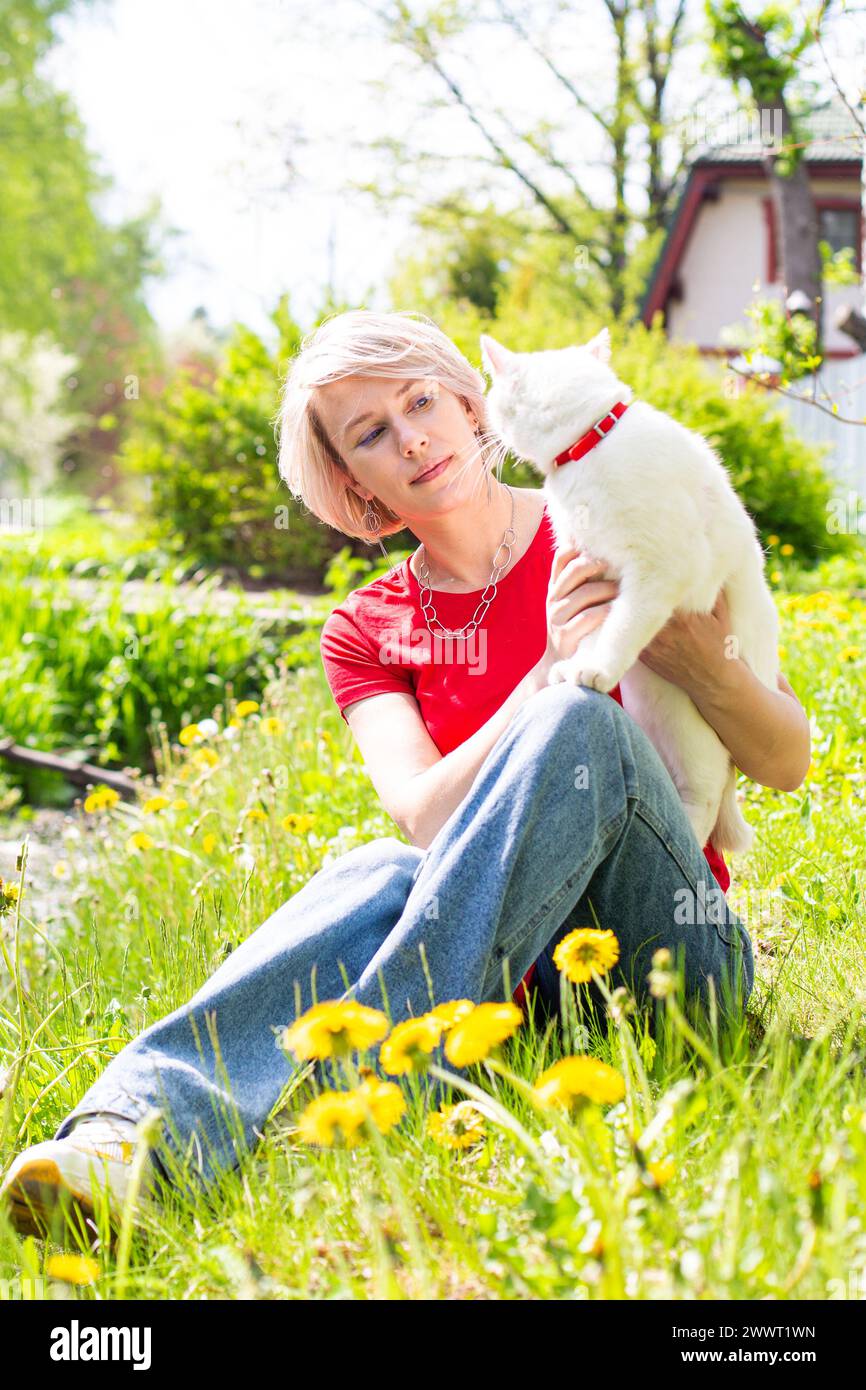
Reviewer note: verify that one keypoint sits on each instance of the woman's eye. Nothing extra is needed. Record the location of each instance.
(372, 436)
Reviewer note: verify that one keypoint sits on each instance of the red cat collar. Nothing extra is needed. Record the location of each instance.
(595, 433)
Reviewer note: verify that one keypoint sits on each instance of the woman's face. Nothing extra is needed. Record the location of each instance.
(390, 432)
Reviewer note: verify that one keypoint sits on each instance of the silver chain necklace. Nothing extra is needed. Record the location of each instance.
(427, 607)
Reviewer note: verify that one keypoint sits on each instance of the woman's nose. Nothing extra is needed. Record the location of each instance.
(410, 439)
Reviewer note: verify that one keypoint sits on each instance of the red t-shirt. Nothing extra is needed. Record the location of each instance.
(377, 641)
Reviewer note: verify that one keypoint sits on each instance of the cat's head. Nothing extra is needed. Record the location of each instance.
(541, 402)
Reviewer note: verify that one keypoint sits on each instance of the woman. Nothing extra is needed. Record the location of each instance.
(528, 807)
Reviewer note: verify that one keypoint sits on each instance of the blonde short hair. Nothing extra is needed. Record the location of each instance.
(361, 342)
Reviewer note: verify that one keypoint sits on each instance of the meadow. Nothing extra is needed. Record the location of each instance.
(703, 1164)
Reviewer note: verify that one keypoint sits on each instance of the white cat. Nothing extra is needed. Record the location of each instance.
(654, 503)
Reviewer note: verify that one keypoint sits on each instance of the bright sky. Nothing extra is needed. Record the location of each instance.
(196, 100)
(202, 101)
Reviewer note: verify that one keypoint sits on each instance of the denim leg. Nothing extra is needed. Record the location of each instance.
(340, 917)
(652, 891)
(569, 781)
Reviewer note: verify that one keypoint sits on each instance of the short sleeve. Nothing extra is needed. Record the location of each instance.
(352, 667)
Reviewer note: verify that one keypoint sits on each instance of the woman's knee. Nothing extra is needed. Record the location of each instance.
(387, 850)
(564, 711)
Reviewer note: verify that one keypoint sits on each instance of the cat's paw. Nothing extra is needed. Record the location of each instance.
(559, 673)
(595, 679)
(581, 675)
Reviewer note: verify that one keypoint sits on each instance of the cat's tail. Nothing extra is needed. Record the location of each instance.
(731, 831)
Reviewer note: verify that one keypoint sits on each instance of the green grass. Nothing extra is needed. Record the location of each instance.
(762, 1134)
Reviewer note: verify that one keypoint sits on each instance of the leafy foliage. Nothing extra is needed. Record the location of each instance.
(66, 275)
(210, 453)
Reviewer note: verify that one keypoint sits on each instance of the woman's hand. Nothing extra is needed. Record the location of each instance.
(692, 649)
(577, 603)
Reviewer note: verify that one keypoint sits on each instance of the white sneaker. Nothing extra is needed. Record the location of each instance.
(59, 1174)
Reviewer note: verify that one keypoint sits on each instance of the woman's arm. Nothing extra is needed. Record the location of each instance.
(766, 732)
(419, 787)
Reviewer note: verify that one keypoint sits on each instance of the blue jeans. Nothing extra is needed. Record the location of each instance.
(572, 803)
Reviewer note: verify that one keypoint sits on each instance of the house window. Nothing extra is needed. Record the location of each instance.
(840, 227)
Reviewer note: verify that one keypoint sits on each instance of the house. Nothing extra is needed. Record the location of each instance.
(720, 248)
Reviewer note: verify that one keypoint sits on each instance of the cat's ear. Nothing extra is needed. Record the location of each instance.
(599, 346)
(495, 358)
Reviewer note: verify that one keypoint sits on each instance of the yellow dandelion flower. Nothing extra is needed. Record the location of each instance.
(385, 1100)
(154, 804)
(772, 540)
(138, 841)
(584, 950)
(456, 1126)
(205, 757)
(246, 707)
(662, 1171)
(73, 1269)
(9, 895)
(60, 869)
(102, 798)
(471, 1039)
(272, 725)
(190, 733)
(786, 549)
(776, 575)
(850, 653)
(575, 1080)
(180, 803)
(297, 823)
(409, 1044)
(329, 1115)
(333, 1028)
(255, 814)
(208, 842)
(452, 1011)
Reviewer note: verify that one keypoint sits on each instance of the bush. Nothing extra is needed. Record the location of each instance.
(210, 453)
(81, 672)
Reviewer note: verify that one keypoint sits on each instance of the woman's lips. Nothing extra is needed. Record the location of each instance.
(433, 472)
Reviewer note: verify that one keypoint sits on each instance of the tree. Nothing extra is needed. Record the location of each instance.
(64, 272)
(630, 119)
(34, 423)
(762, 54)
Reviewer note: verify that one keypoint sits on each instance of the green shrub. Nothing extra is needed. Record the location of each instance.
(210, 453)
(81, 672)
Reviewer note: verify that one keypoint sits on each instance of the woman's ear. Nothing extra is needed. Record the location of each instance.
(364, 493)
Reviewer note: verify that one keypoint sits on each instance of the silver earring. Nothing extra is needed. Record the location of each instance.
(371, 518)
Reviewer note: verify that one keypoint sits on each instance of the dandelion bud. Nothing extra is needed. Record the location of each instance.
(662, 978)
